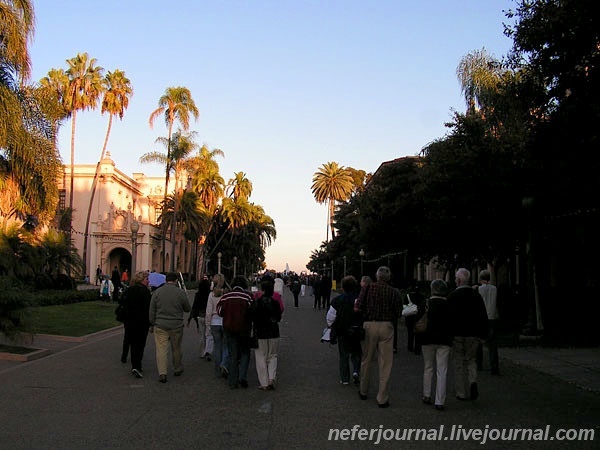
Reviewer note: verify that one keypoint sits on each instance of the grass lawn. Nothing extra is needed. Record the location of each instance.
(75, 319)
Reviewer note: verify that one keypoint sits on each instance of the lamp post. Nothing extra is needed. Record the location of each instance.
(234, 266)
(323, 268)
(135, 227)
(344, 265)
(362, 255)
(219, 262)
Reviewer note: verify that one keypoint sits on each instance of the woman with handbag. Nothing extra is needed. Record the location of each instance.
(436, 341)
(413, 296)
(265, 313)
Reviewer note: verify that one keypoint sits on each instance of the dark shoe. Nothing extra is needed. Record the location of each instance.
(384, 405)
(208, 358)
(271, 387)
(362, 396)
(462, 399)
(162, 378)
(123, 359)
(439, 407)
(427, 400)
(178, 373)
(137, 373)
(395, 350)
(244, 384)
(355, 378)
(474, 391)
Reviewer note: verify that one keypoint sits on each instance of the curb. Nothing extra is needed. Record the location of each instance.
(38, 353)
(87, 337)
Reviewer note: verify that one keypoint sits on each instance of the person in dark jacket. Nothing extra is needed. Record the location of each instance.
(326, 285)
(198, 314)
(295, 287)
(265, 313)
(137, 304)
(317, 292)
(435, 343)
(469, 328)
(347, 325)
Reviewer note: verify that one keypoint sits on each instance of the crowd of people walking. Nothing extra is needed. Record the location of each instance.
(232, 320)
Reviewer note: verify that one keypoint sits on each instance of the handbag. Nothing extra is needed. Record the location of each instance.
(421, 324)
(409, 310)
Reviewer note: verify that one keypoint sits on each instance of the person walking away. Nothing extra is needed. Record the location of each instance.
(326, 285)
(233, 307)
(379, 303)
(116, 281)
(346, 323)
(136, 301)
(436, 343)
(125, 278)
(317, 292)
(167, 306)
(265, 313)
(214, 323)
(469, 328)
(415, 296)
(98, 275)
(489, 293)
(198, 314)
(295, 287)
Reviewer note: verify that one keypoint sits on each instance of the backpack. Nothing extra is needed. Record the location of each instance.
(105, 287)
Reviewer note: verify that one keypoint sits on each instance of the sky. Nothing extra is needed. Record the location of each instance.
(282, 86)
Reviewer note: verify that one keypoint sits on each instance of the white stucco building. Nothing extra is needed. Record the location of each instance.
(119, 200)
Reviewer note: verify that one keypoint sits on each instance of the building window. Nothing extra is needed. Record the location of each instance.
(157, 213)
(62, 199)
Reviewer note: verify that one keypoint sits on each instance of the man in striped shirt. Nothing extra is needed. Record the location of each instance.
(380, 304)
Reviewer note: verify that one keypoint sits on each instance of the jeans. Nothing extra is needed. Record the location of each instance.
(492, 344)
(239, 357)
(220, 351)
(348, 352)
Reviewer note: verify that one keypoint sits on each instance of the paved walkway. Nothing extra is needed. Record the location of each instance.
(82, 397)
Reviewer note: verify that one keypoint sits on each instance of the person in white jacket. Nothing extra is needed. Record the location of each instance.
(106, 289)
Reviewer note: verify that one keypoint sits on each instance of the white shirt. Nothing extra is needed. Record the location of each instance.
(489, 293)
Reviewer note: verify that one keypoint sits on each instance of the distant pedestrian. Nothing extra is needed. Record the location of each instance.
(98, 275)
(233, 307)
(326, 286)
(469, 327)
(116, 281)
(125, 277)
(379, 303)
(295, 287)
(167, 306)
(317, 292)
(106, 289)
(489, 293)
(436, 343)
(413, 340)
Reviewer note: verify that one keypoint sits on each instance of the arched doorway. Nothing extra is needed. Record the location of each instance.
(121, 258)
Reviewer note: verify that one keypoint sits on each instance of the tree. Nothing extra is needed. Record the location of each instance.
(117, 93)
(332, 183)
(82, 93)
(479, 75)
(176, 104)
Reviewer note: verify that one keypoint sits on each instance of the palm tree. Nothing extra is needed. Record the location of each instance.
(181, 145)
(82, 93)
(239, 186)
(332, 183)
(479, 75)
(176, 104)
(117, 93)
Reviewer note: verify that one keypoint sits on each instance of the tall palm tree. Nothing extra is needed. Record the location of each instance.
(181, 145)
(176, 104)
(332, 183)
(117, 93)
(82, 93)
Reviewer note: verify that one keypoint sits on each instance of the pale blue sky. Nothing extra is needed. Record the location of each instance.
(282, 86)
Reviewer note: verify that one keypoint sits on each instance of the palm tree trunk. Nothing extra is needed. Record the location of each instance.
(93, 194)
(167, 173)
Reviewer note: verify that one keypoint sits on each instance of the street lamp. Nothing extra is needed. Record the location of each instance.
(234, 265)
(219, 262)
(362, 255)
(135, 227)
